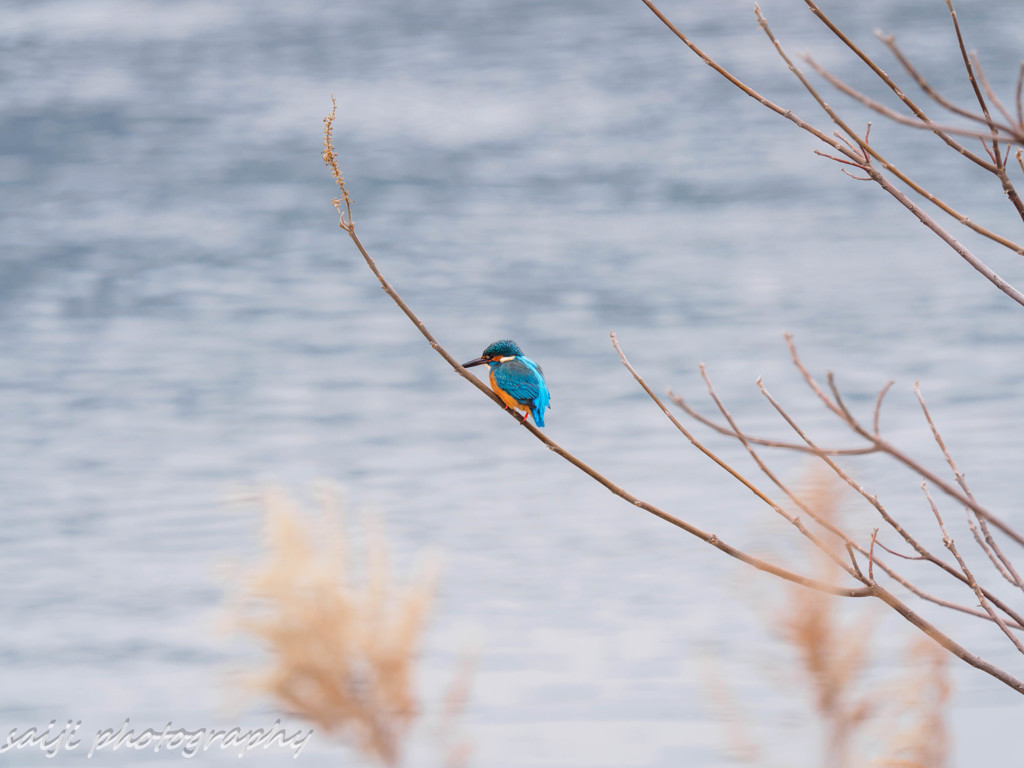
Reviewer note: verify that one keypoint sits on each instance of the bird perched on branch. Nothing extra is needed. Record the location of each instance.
(516, 379)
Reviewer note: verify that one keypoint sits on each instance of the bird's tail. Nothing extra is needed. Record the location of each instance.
(538, 406)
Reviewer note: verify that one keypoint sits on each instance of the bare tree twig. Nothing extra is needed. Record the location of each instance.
(717, 460)
(1014, 136)
(871, 556)
(858, 488)
(698, 416)
(874, 541)
(735, 432)
(889, 82)
(1000, 171)
(781, 111)
(976, 64)
(870, 578)
(918, 123)
(958, 247)
(805, 508)
(886, 447)
(889, 519)
(863, 159)
(878, 591)
(984, 539)
(890, 42)
(1018, 100)
(947, 540)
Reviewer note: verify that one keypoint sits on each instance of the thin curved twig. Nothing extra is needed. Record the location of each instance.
(766, 442)
(997, 158)
(900, 456)
(947, 540)
(1007, 135)
(984, 537)
(889, 41)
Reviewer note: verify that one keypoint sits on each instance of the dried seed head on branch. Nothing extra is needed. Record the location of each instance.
(330, 158)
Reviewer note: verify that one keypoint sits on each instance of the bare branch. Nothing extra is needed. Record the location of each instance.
(892, 552)
(856, 566)
(697, 416)
(987, 543)
(976, 64)
(871, 556)
(947, 540)
(330, 158)
(890, 43)
(880, 508)
(858, 488)
(843, 149)
(1008, 188)
(968, 67)
(1014, 135)
(1018, 100)
(951, 241)
(944, 132)
(946, 642)
(946, 603)
(737, 433)
(781, 111)
(839, 398)
(805, 508)
(880, 73)
(897, 454)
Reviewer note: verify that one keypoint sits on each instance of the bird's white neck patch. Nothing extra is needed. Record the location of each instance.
(505, 359)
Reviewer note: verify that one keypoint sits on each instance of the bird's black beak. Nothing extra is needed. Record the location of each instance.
(478, 361)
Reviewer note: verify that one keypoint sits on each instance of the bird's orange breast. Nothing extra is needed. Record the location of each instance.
(506, 398)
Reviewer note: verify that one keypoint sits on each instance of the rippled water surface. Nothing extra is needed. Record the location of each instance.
(181, 319)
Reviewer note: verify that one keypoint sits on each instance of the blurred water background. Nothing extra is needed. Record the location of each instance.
(181, 319)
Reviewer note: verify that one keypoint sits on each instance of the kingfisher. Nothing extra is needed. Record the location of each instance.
(516, 379)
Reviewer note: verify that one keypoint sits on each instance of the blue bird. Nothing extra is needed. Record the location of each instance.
(516, 379)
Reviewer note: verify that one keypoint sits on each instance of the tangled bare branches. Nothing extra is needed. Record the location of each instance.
(852, 148)
(999, 131)
(863, 561)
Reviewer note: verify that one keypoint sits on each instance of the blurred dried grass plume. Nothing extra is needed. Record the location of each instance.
(918, 736)
(904, 718)
(863, 719)
(833, 653)
(342, 648)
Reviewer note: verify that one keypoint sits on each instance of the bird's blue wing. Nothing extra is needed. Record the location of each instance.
(523, 379)
(519, 380)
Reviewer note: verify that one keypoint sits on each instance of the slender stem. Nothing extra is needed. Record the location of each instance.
(768, 443)
(890, 42)
(947, 540)
(983, 537)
